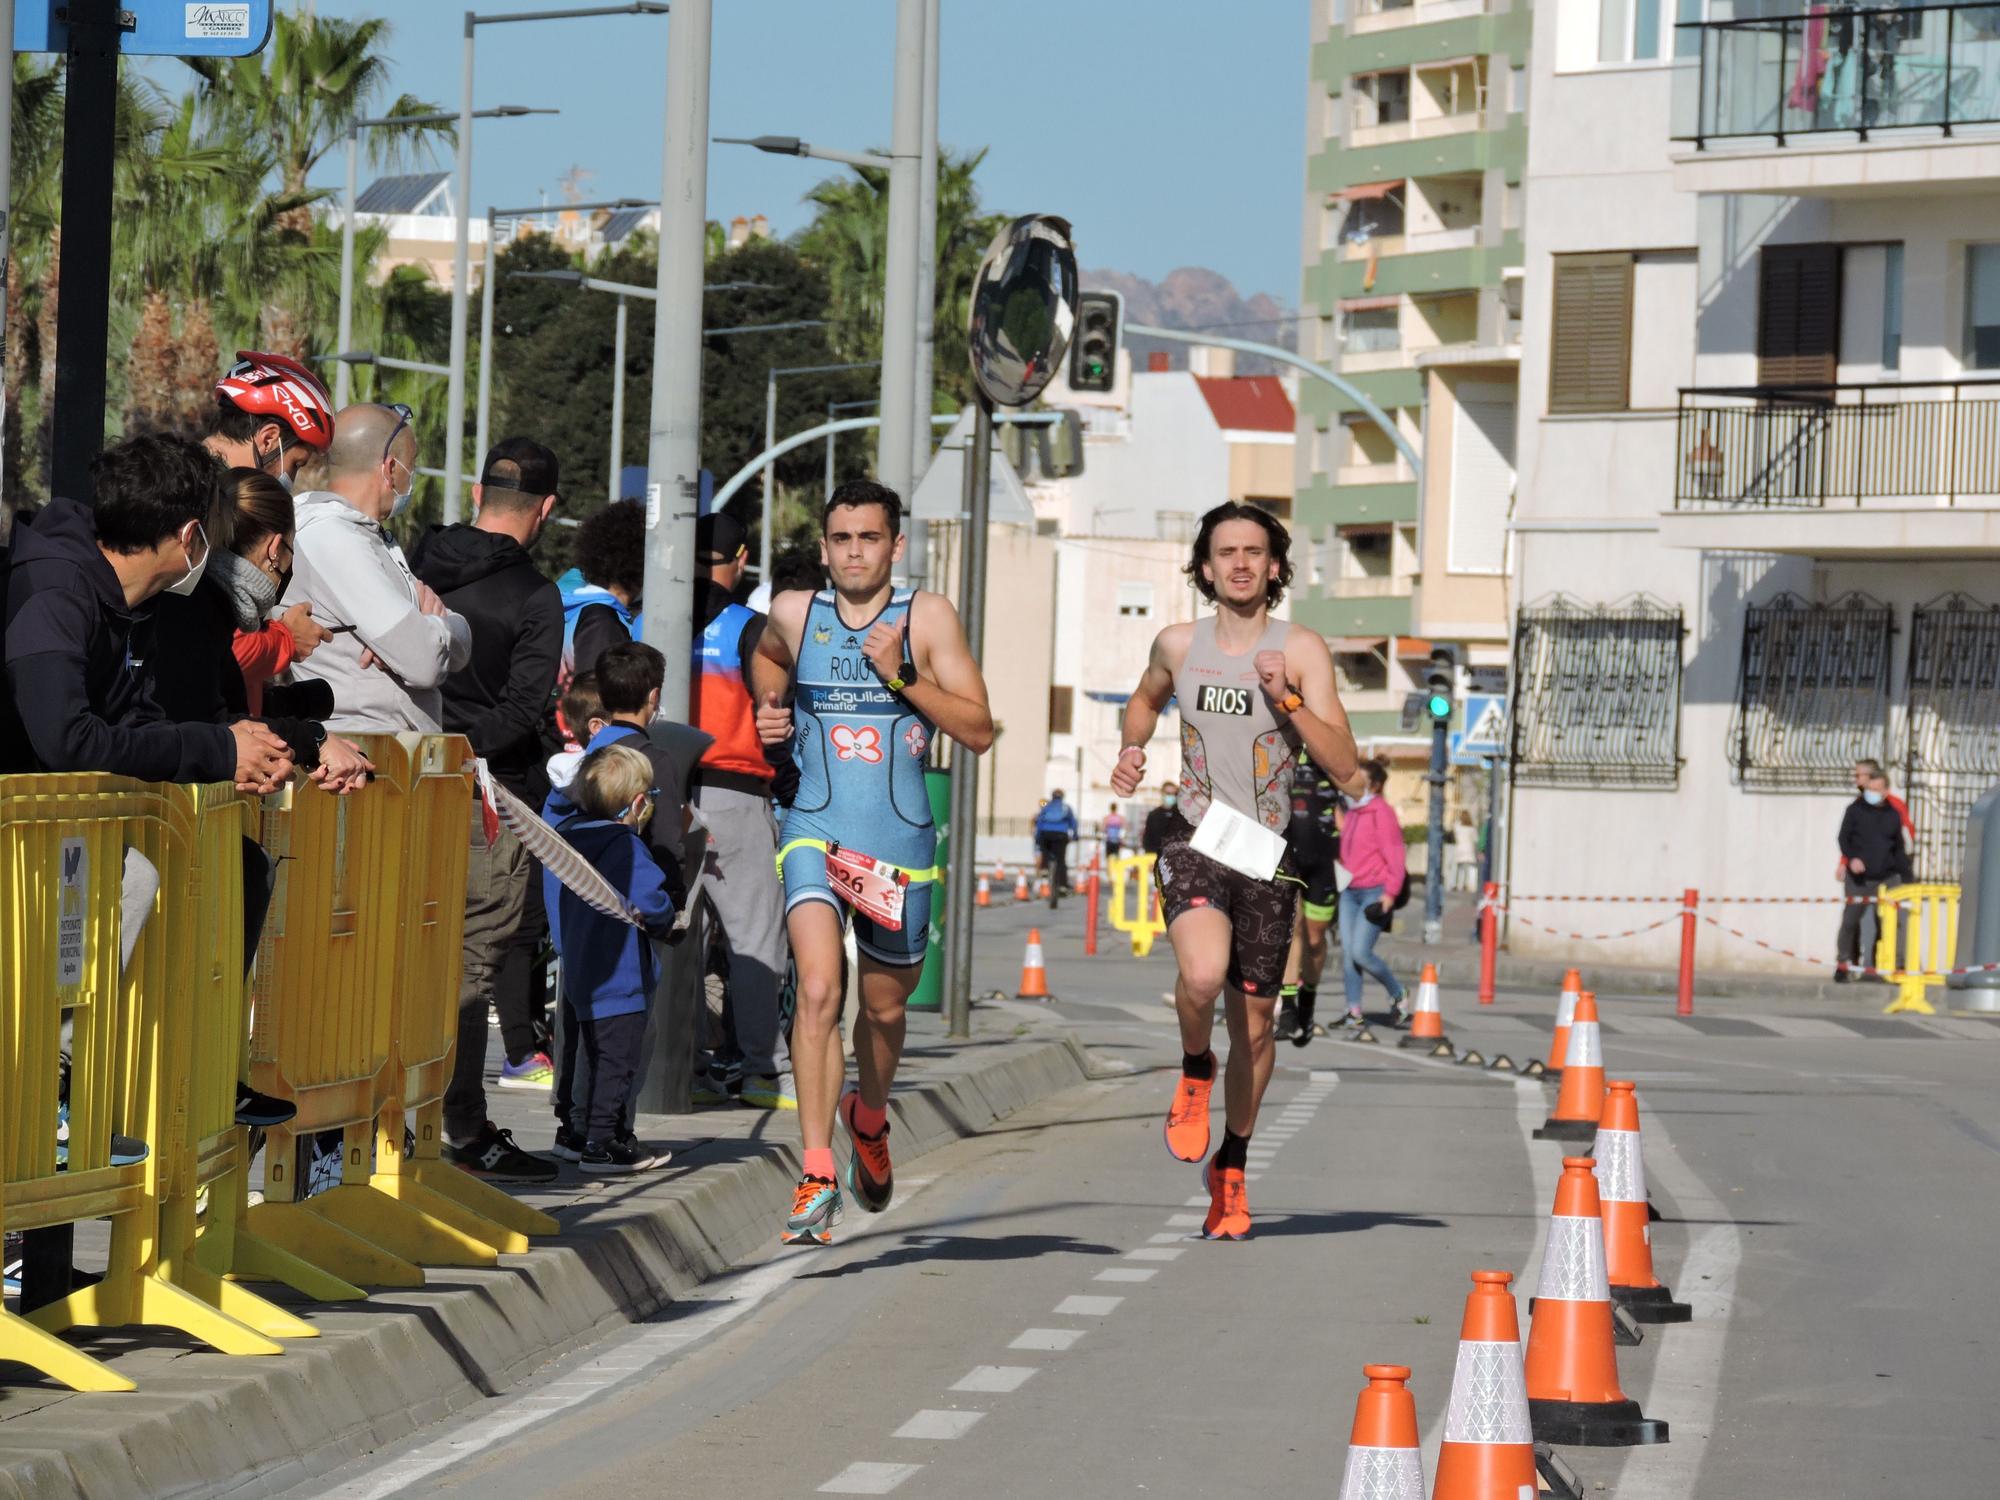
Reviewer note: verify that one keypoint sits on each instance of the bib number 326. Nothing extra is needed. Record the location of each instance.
(873, 888)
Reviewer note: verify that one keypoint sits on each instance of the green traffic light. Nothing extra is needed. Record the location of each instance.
(1440, 706)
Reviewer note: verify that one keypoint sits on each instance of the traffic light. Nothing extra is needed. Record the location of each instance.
(1093, 352)
(1441, 684)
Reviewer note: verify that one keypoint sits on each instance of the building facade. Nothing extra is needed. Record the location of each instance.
(1759, 497)
(1416, 138)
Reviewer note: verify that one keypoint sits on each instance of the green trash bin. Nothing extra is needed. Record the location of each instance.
(930, 988)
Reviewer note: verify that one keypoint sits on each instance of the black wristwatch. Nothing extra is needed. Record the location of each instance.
(905, 675)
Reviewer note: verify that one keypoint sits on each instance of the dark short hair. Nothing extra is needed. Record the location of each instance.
(581, 702)
(797, 568)
(627, 675)
(1274, 531)
(611, 547)
(1377, 770)
(232, 423)
(865, 492)
(149, 487)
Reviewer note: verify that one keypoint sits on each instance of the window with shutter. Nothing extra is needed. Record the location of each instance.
(1798, 315)
(1062, 709)
(1590, 340)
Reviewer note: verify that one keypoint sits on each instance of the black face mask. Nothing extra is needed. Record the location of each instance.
(284, 582)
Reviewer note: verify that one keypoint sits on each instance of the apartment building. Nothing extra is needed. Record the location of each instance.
(1759, 454)
(1416, 140)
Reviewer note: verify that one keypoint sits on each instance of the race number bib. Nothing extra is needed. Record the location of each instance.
(872, 887)
(1243, 844)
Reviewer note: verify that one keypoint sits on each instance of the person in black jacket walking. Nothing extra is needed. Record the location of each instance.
(1871, 843)
(499, 701)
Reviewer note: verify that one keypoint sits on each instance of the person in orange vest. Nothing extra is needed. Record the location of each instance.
(733, 789)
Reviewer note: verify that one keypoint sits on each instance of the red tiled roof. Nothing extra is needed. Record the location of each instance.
(1255, 403)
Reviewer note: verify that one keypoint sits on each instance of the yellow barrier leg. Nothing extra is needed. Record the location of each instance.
(240, 1303)
(158, 1302)
(481, 1198)
(1910, 998)
(401, 1229)
(254, 1258)
(407, 1189)
(24, 1343)
(297, 1230)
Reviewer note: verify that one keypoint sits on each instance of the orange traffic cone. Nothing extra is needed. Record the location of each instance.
(1581, 1100)
(1034, 973)
(1565, 1013)
(983, 894)
(1383, 1460)
(1572, 1368)
(1488, 1451)
(1021, 884)
(1621, 1187)
(1042, 888)
(1427, 1020)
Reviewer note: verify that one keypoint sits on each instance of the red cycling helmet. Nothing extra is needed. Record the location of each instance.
(278, 387)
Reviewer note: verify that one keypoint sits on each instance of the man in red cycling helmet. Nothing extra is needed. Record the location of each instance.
(271, 413)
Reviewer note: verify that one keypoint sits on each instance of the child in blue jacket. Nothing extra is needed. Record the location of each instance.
(608, 966)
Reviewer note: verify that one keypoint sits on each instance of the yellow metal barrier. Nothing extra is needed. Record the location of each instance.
(1133, 908)
(145, 1058)
(1919, 935)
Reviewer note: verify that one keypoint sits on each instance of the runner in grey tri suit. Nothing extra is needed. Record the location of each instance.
(1250, 689)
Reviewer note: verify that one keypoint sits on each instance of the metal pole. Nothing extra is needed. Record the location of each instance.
(6, 240)
(899, 302)
(917, 554)
(1434, 863)
(617, 407)
(461, 276)
(965, 766)
(481, 428)
(831, 439)
(83, 328)
(343, 372)
(770, 438)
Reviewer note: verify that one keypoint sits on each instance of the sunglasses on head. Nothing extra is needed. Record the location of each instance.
(403, 418)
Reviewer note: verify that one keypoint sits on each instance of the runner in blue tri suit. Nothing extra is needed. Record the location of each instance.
(858, 680)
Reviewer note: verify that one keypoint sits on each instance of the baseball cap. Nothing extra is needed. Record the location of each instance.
(522, 464)
(720, 538)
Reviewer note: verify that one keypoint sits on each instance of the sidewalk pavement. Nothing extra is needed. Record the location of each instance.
(208, 1424)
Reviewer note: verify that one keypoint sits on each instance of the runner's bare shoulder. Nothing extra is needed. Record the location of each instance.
(788, 616)
(1170, 646)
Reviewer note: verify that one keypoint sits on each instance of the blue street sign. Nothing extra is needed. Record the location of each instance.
(162, 28)
(1485, 731)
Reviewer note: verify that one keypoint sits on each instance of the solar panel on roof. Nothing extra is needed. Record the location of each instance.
(399, 195)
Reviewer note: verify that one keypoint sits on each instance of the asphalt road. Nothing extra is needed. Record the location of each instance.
(1032, 1318)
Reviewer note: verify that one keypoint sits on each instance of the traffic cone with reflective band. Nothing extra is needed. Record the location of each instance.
(1034, 974)
(1621, 1187)
(1488, 1451)
(1383, 1460)
(1572, 1368)
(1565, 1014)
(1042, 889)
(983, 895)
(1427, 1020)
(1021, 884)
(1581, 1100)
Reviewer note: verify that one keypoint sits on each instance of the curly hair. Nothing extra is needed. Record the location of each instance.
(865, 492)
(611, 547)
(1274, 531)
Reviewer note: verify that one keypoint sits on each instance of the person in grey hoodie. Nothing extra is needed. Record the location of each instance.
(393, 640)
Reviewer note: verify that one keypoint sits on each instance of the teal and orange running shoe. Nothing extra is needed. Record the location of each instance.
(869, 1176)
(815, 1210)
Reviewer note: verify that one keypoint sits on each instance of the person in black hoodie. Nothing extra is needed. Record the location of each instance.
(1871, 843)
(499, 701)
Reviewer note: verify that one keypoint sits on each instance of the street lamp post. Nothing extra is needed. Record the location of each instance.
(461, 265)
(833, 409)
(917, 554)
(899, 290)
(771, 379)
(343, 377)
(493, 218)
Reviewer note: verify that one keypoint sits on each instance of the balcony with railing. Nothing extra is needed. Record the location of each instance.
(1847, 99)
(1883, 467)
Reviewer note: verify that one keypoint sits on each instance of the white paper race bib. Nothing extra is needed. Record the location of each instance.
(1245, 845)
(873, 888)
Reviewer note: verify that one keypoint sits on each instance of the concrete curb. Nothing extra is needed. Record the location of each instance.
(207, 1424)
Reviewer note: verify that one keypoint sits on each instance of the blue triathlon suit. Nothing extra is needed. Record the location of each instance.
(860, 751)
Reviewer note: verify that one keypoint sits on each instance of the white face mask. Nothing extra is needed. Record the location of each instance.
(185, 584)
(1362, 801)
(402, 502)
(1872, 797)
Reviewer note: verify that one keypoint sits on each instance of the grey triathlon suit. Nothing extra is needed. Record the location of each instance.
(1233, 751)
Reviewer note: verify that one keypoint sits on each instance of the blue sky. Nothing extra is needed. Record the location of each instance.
(1171, 133)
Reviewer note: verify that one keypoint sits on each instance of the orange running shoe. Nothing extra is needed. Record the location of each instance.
(1228, 1203)
(1187, 1116)
(815, 1210)
(869, 1176)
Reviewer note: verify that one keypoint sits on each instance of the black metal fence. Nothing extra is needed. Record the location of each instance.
(1843, 68)
(1952, 753)
(1597, 694)
(1933, 443)
(1812, 693)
